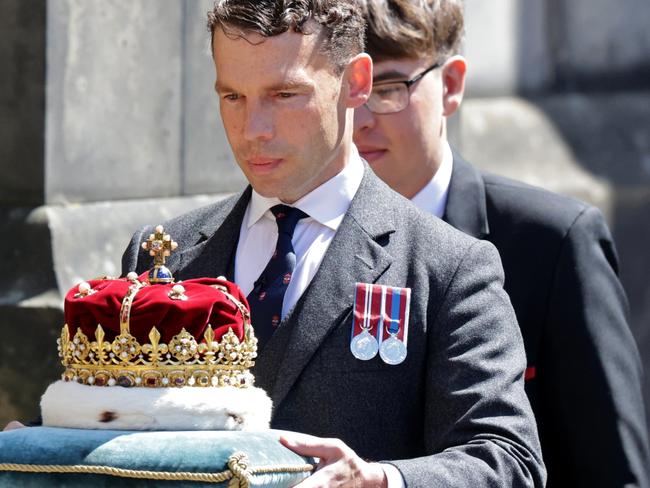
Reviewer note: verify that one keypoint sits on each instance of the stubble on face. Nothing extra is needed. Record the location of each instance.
(282, 111)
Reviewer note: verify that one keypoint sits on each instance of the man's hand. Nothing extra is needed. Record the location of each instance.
(339, 465)
(14, 424)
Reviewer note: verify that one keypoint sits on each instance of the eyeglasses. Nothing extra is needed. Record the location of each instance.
(389, 97)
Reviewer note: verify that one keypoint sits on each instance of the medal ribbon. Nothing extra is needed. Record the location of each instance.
(368, 305)
(396, 313)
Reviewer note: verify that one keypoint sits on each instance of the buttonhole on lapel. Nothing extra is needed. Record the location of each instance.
(383, 240)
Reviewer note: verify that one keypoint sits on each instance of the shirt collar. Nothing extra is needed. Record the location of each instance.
(326, 204)
(433, 197)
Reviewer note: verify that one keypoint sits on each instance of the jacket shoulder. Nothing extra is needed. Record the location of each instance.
(527, 208)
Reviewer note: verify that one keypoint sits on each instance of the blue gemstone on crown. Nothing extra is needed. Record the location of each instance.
(160, 274)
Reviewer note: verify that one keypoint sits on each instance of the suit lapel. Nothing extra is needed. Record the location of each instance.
(466, 205)
(353, 256)
(215, 249)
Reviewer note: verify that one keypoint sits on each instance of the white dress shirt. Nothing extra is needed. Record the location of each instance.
(258, 235)
(433, 197)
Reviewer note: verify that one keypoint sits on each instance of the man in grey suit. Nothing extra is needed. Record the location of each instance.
(583, 376)
(453, 411)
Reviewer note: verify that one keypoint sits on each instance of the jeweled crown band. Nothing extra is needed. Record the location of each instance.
(182, 362)
(185, 360)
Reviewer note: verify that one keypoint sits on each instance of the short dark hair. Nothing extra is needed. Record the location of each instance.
(341, 21)
(413, 28)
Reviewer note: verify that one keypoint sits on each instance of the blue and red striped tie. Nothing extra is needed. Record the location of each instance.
(268, 293)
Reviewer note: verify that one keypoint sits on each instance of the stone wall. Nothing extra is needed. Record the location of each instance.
(22, 100)
(550, 46)
(130, 109)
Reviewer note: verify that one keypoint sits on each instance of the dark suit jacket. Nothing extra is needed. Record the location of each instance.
(455, 413)
(561, 274)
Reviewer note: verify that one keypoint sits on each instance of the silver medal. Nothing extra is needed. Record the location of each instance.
(392, 351)
(364, 346)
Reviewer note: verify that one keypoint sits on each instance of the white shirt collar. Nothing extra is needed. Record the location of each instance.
(433, 197)
(326, 204)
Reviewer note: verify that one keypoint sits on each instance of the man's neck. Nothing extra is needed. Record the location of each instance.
(432, 197)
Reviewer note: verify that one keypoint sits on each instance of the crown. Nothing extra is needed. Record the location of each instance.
(192, 333)
(145, 352)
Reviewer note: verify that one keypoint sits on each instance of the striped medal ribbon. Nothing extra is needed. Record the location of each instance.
(380, 322)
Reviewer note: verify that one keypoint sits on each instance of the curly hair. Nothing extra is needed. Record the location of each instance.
(341, 21)
(413, 28)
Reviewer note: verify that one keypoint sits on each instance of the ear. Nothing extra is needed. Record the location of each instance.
(358, 77)
(453, 81)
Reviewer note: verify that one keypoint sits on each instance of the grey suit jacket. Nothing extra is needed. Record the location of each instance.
(454, 413)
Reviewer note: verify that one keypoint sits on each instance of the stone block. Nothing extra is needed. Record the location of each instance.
(102, 232)
(22, 100)
(28, 359)
(30, 312)
(603, 37)
(208, 163)
(506, 47)
(113, 110)
(531, 46)
(26, 265)
(515, 137)
(608, 133)
(490, 47)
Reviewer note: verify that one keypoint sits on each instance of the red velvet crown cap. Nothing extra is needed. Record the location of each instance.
(153, 307)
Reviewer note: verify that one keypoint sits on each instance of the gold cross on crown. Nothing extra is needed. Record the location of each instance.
(159, 245)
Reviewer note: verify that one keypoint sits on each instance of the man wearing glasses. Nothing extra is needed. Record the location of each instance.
(583, 372)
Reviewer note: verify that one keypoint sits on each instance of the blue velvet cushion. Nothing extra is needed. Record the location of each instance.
(47, 456)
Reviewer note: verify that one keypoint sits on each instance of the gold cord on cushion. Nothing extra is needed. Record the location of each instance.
(238, 472)
(238, 465)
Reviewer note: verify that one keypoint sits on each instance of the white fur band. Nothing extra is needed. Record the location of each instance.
(69, 404)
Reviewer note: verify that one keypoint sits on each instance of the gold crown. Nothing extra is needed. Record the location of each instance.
(183, 362)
